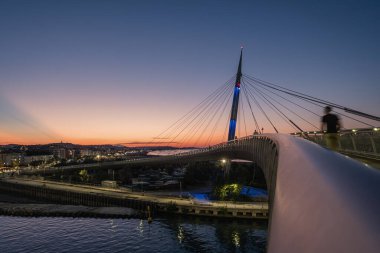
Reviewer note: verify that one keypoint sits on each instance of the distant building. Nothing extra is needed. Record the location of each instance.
(44, 158)
(89, 152)
(60, 153)
(70, 153)
(11, 159)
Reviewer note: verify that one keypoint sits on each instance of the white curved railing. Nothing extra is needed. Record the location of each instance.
(357, 142)
(323, 201)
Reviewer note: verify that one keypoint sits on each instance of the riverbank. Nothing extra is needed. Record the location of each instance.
(93, 196)
(54, 210)
(12, 198)
(12, 205)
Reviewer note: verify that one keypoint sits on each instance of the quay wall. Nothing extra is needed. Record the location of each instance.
(69, 197)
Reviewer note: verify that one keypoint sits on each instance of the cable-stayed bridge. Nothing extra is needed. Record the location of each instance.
(320, 200)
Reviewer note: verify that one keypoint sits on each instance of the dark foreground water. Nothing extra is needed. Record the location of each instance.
(165, 234)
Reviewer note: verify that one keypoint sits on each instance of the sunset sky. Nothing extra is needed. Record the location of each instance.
(93, 72)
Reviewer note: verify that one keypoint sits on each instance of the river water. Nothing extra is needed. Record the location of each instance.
(164, 234)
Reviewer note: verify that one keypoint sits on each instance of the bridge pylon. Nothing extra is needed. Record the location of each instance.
(235, 101)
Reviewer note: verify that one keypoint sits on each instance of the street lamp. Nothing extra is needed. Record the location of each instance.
(180, 189)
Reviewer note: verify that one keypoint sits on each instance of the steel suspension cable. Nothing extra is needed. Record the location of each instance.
(341, 114)
(225, 130)
(271, 107)
(217, 122)
(306, 109)
(212, 118)
(261, 109)
(194, 129)
(184, 118)
(242, 108)
(194, 116)
(200, 109)
(311, 98)
(287, 108)
(316, 104)
(250, 107)
(291, 92)
(283, 114)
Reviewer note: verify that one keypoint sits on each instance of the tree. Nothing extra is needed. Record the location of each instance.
(228, 192)
(83, 174)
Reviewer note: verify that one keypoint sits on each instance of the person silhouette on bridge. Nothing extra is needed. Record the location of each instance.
(331, 123)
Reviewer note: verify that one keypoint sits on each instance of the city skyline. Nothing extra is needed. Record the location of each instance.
(123, 71)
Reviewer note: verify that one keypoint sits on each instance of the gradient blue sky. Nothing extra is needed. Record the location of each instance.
(116, 71)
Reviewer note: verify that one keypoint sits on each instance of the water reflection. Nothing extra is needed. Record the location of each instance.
(114, 226)
(165, 234)
(181, 234)
(141, 227)
(236, 239)
(201, 234)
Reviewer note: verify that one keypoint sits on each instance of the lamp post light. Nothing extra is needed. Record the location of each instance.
(180, 189)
